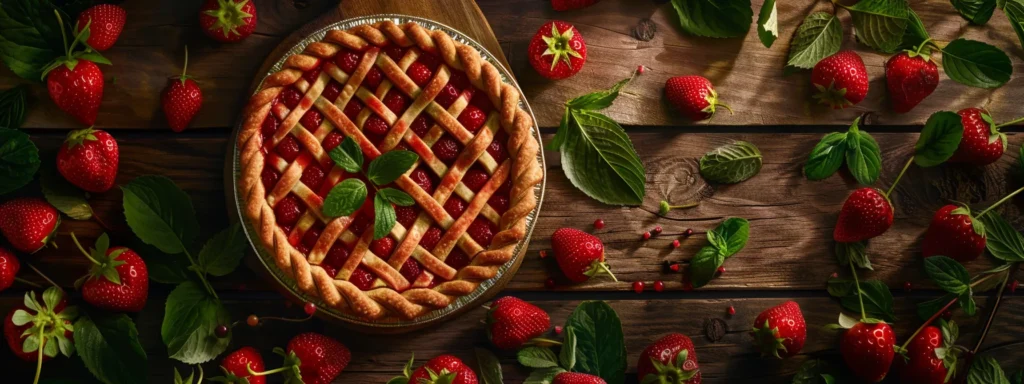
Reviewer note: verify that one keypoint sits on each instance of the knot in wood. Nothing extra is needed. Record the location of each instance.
(715, 329)
(644, 30)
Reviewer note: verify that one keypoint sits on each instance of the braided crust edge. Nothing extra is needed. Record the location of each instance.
(385, 303)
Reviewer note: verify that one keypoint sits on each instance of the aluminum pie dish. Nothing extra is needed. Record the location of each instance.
(391, 323)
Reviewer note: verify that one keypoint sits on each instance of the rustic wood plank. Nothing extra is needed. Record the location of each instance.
(791, 218)
(731, 359)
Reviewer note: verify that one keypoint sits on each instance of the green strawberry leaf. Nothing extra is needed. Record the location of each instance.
(490, 367)
(599, 159)
(598, 100)
(730, 236)
(826, 157)
(731, 163)
(223, 252)
(64, 196)
(976, 11)
(704, 265)
(1017, 378)
(967, 303)
(812, 372)
(714, 18)
(345, 198)
(986, 370)
(880, 24)
(863, 157)
(948, 274)
(396, 197)
(160, 213)
(1003, 242)
(33, 39)
(543, 375)
(855, 253)
(915, 33)
(109, 347)
(19, 160)
(13, 102)
(567, 356)
(818, 37)
(385, 217)
(1014, 10)
(976, 64)
(537, 357)
(348, 155)
(768, 23)
(600, 343)
(389, 166)
(190, 316)
(926, 309)
(878, 302)
(939, 139)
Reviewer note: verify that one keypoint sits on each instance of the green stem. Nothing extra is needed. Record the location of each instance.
(1003, 200)
(543, 341)
(992, 315)
(26, 282)
(201, 275)
(248, 367)
(1011, 122)
(200, 381)
(63, 34)
(900, 176)
(921, 46)
(39, 355)
(860, 295)
(80, 248)
(185, 67)
(41, 274)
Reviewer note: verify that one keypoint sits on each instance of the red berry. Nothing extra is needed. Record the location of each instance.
(269, 126)
(559, 329)
(947, 314)
(674, 267)
(309, 308)
(834, 275)
(721, 270)
(689, 232)
(659, 286)
(647, 235)
(411, 269)
(499, 203)
(421, 125)
(675, 243)
(638, 286)
(497, 149)
(694, 96)
(657, 230)
(291, 97)
(455, 206)
(419, 73)
(221, 331)
(332, 91)
(598, 224)
(347, 61)
(482, 231)
(475, 179)
(447, 96)
(252, 320)
(310, 238)
(396, 102)
(288, 210)
(640, 69)
(841, 80)
(106, 21)
(447, 149)
(313, 176)
(732, 310)
(376, 125)
(269, 177)
(423, 179)
(352, 109)
(1013, 286)
(430, 238)
(373, 78)
(557, 50)
(406, 215)
(543, 254)
(906, 286)
(289, 148)
(457, 259)
(472, 118)
(549, 283)
(312, 120)
(382, 247)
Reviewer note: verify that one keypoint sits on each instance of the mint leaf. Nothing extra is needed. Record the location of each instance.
(863, 157)
(160, 213)
(537, 357)
(976, 64)
(986, 370)
(223, 252)
(19, 160)
(768, 23)
(853, 252)
(389, 166)
(967, 303)
(714, 18)
(543, 376)
(826, 157)
(880, 24)
(567, 356)
(345, 198)
(731, 163)
(704, 265)
(598, 100)
(190, 316)
(490, 367)
(939, 139)
(1003, 242)
(1014, 10)
(348, 155)
(162, 268)
(600, 344)
(31, 38)
(109, 347)
(811, 372)
(878, 301)
(396, 197)
(915, 33)
(948, 274)
(385, 219)
(976, 11)
(730, 236)
(62, 195)
(818, 37)
(12, 106)
(599, 159)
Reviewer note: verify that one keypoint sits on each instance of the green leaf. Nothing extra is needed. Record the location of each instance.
(490, 367)
(598, 100)
(537, 357)
(1014, 10)
(599, 160)
(348, 155)
(967, 303)
(567, 356)
(915, 33)
(926, 309)
(731, 163)
(345, 198)
(818, 37)
(810, 372)
(223, 252)
(976, 64)
(600, 344)
(976, 11)
(986, 370)
(840, 287)
(190, 316)
(714, 18)
(880, 24)
(1003, 242)
(385, 219)
(62, 195)
(390, 165)
(768, 23)
(855, 253)
(704, 265)
(863, 157)
(396, 197)
(163, 268)
(543, 375)
(31, 38)
(160, 213)
(19, 159)
(109, 347)
(94, 57)
(563, 126)
(878, 301)
(939, 139)
(730, 236)
(948, 274)
(1017, 378)
(13, 102)
(826, 157)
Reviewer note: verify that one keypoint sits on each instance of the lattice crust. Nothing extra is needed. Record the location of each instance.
(393, 295)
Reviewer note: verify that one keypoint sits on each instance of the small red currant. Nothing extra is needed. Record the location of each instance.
(549, 283)
(647, 235)
(221, 331)
(732, 310)
(640, 69)
(543, 254)
(675, 243)
(657, 230)
(689, 232)
(659, 286)
(721, 270)
(638, 286)
(674, 267)
(309, 308)
(558, 329)
(947, 315)
(252, 320)
(599, 224)
(907, 286)
(834, 275)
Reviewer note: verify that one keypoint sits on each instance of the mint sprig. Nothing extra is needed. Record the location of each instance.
(857, 148)
(978, 12)
(726, 240)
(350, 194)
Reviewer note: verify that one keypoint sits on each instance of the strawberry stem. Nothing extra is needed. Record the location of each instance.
(26, 282)
(860, 294)
(185, 67)
(63, 34)
(1003, 200)
(898, 177)
(248, 367)
(1011, 122)
(992, 315)
(80, 248)
(39, 355)
(917, 51)
(544, 342)
(927, 323)
(43, 275)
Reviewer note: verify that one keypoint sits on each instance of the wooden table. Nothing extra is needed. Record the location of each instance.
(791, 218)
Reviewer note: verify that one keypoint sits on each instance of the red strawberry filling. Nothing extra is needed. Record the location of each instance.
(475, 179)
(481, 231)
(373, 78)
(382, 247)
(347, 61)
(424, 179)
(447, 149)
(332, 140)
(288, 210)
(430, 238)
(269, 126)
(313, 177)
(352, 109)
(421, 125)
(289, 148)
(419, 73)
(472, 118)
(457, 259)
(269, 177)
(396, 102)
(455, 206)
(376, 126)
(332, 91)
(394, 52)
(312, 119)
(406, 215)
(312, 74)
(291, 97)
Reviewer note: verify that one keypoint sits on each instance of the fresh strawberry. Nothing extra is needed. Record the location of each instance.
(955, 233)
(444, 369)
(580, 255)
(236, 366)
(568, 5)
(89, 159)
(694, 96)
(311, 358)
(865, 214)
(28, 223)
(671, 359)
(557, 50)
(228, 21)
(577, 378)
(76, 86)
(181, 99)
(841, 80)
(105, 23)
(9, 267)
(513, 322)
(982, 143)
(910, 77)
(44, 319)
(780, 331)
(118, 280)
(931, 357)
(868, 350)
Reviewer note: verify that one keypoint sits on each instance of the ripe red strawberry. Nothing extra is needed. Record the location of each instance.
(577, 378)
(694, 96)
(982, 143)
(925, 363)
(557, 50)
(76, 86)
(910, 77)
(780, 331)
(841, 80)
(568, 5)
(865, 214)
(28, 223)
(953, 233)
(181, 99)
(236, 366)
(9, 267)
(513, 322)
(43, 317)
(228, 21)
(580, 255)
(118, 280)
(868, 350)
(444, 369)
(312, 358)
(89, 159)
(671, 359)
(105, 24)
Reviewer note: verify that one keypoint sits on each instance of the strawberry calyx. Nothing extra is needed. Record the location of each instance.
(831, 96)
(48, 326)
(599, 267)
(993, 128)
(80, 136)
(923, 50)
(559, 47)
(229, 15)
(103, 265)
(713, 104)
(677, 372)
(664, 207)
(290, 368)
(71, 58)
(768, 340)
(949, 352)
(976, 225)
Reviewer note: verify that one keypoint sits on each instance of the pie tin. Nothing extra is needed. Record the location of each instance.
(392, 324)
